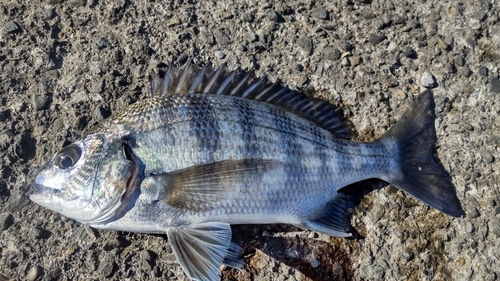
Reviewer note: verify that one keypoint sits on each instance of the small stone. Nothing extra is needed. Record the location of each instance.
(76, 3)
(472, 212)
(415, 24)
(306, 43)
(346, 46)
(459, 60)
(374, 39)
(487, 157)
(345, 62)
(427, 80)
(272, 15)
(101, 113)
(315, 263)
(450, 68)
(386, 20)
(399, 95)
(206, 35)
(409, 52)
(106, 267)
(320, 13)
(494, 226)
(103, 43)
(6, 220)
(392, 81)
(247, 17)
(4, 115)
(483, 71)
(40, 102)
(337, 271)
(466, 72)
(494, 85)
(377, 212)
(221, 37)
(11, 27)
(332, 53)
(34, 273)
(376, 272)
(442, 44)
(356, 60)
(480, 15)
(48, 14)
(220, 55)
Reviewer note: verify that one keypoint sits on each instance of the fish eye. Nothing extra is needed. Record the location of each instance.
(68, 156)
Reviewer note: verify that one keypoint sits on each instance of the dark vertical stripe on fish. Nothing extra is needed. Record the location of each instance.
(320, 151)
(203, 126)
(288, 140)
(246, 120)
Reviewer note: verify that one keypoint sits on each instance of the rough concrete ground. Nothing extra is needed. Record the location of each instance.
(65, 65)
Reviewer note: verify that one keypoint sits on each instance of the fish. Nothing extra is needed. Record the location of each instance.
(209, 148)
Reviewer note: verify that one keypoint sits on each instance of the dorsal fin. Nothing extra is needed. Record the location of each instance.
(207, 80)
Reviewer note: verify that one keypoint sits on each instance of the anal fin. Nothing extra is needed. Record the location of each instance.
(334, 220)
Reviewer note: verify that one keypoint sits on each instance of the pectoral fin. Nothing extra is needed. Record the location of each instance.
(199, 185)
(200, 249)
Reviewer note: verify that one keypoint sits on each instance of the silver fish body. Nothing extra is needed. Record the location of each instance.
(212, 148)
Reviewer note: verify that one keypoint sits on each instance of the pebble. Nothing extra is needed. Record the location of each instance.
(459, 60)
(76, 3)
(399, 95)
(442, 45)
(272, 15)
(306, 43)
(220, 55)
(40, 102)
(106, 267)
(427, 80)
(466, 72)
(469, 227)
(315, 263)
(48, 14)
(11, 27)
(483, 71)
(450, 68)
(355, 60)
(494, 85)
(377, 212)
(494, 226)
(4, 115)
(207, 35)
(374, 39)
(409, 52)
(487, 157)
(375, 272)
(221, 37)
(337, 271)
(346, 62)
(346, 46)
(332, 53)
(320, 13)
(6, 220)
(472, 212)
(103, 43)
(34, 273)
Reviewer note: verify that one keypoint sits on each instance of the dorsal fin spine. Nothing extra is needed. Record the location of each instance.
(243, 84)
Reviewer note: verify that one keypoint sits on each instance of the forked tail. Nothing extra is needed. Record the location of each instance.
(420, 173)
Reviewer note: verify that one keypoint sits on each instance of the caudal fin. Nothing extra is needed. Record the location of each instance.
(421, 174)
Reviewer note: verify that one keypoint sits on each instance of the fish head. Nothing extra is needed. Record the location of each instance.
(86, 180)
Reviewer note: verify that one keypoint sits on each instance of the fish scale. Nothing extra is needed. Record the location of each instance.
(210, 148)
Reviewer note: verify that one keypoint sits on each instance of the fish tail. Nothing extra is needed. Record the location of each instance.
(417, 171)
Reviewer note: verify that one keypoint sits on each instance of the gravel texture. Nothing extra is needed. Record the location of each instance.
(65, 65)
